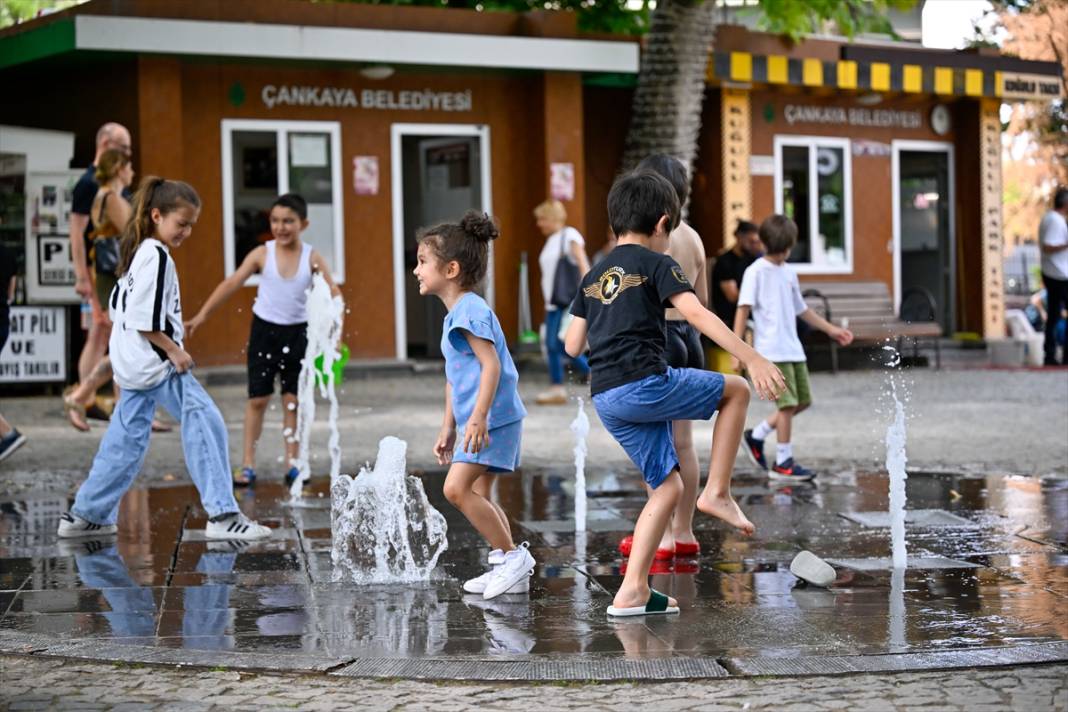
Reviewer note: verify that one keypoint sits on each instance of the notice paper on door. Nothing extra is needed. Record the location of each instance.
(562, 181)
(365, 175)
(307, 150)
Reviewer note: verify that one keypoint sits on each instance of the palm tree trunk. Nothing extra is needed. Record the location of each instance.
(666, 111)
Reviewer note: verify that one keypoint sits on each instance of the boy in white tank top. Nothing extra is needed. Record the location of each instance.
(278, 337)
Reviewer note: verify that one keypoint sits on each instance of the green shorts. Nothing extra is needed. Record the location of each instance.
(797, 391)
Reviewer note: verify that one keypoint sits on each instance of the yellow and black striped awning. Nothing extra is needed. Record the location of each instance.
(848, 74)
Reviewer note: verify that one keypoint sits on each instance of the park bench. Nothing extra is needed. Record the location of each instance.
(869, 312)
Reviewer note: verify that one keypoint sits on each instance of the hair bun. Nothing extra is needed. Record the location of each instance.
(479, 226)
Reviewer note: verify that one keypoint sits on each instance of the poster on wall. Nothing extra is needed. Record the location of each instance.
(49, 267)
(365, 175)
(562, 181)
(36, 350)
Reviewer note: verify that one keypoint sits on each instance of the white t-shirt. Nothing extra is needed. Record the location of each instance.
(550, 256)
(1053, 231)
(774, 294)
(146, 298)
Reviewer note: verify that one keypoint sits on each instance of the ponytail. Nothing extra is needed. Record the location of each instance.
(155, 192)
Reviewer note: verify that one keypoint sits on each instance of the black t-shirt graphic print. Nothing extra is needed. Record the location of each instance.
(623, 301)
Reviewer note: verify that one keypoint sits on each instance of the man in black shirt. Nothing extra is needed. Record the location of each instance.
(109, 136)
(727, 278)
(620, 309)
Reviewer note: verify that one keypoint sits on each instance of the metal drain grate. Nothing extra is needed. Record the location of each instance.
(920, 563)
(929, 518)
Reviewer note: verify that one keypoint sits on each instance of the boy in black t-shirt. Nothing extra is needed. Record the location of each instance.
(620, 310)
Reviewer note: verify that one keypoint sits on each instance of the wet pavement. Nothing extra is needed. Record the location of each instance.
(987, 585)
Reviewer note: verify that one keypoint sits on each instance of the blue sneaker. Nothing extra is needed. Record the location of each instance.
(292, 475)
(244, 477)
(755, 450)
(790, 470)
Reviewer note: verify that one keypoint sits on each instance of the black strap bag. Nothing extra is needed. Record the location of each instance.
(566, 278)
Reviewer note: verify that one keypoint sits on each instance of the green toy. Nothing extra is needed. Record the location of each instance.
(338, 367)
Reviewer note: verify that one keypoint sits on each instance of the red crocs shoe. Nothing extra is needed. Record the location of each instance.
(687, 548)
(661, 554)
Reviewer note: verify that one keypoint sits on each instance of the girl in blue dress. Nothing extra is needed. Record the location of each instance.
(481, 394)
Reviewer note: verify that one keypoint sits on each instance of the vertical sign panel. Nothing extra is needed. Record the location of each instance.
(990, 195)
(737, 194)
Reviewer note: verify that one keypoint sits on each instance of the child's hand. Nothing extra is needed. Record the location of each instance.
(193, 324)
(444, 446)
(182, 361)
(476, 434)
(844, 337)
(767, 378)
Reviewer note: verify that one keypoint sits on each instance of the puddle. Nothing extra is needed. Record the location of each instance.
(988, 567)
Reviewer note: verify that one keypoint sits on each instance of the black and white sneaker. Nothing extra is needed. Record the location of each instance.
(236, 526)
(72, 526)
(10, 443)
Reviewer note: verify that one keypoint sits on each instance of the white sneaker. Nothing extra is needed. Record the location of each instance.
(478, 584)
(495, 559)
(518, 565)
(71, 526)
(236, 527)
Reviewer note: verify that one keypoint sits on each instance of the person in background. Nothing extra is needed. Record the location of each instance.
(10, 438)
(609, 245)
(771, 292)
(1053, 240)
(567, 242)
(726, 280)
(110, 136)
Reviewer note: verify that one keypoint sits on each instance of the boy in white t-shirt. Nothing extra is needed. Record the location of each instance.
(771, 292)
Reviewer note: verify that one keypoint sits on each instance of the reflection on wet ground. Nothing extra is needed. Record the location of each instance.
(997, 577)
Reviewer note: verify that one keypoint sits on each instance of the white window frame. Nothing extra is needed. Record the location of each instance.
(812, 143)
(397, 132)
(281, 129)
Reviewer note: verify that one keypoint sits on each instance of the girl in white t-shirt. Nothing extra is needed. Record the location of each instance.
(152, 368)
(279, 334)
(561, 242)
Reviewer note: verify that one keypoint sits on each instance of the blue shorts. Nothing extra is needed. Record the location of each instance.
(502, 453)
(639, 415)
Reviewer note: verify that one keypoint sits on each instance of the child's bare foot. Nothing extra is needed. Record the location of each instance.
(634, 598)
(724, 507)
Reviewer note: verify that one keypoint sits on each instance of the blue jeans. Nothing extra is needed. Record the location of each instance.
(555, 348)
(123, 448)
(133, 609)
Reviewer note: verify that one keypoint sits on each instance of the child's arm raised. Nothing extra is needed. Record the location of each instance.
(476, 434)
(575, 338)
(253, 263)
(843, 336)
(767, 379)
(176, 354)
(447, 437)
(318, 264)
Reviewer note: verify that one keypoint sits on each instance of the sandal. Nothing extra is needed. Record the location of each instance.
(244, 477)
(656, 605)
(75, 413)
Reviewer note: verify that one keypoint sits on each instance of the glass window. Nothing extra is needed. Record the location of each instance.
(264, 159)
(813, 189)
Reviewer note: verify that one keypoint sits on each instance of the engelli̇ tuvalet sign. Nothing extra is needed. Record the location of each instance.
(1029, 86)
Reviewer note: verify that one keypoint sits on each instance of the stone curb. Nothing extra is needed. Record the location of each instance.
(534, 669)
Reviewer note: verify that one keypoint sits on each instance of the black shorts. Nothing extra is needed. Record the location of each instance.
(274, 350)
(684, 346)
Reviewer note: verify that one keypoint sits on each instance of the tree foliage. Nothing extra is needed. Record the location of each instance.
(15, 11)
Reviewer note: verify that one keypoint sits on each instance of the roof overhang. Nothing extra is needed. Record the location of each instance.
(139, 35)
